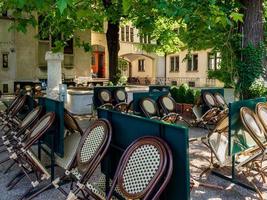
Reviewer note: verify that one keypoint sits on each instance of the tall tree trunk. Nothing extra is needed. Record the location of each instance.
(112, 36)
(253, 22)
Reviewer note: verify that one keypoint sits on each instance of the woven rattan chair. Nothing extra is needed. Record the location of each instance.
(71, 124)
(220, 101)
(15, 132)
(209, 100)
(10, 119)
(10, 106)
(149, 108)
(120, 97)
(143, 172)
(92, 148)
(168, 106)
(25, 158)
(105, 98)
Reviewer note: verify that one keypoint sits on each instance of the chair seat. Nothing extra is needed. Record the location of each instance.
(71, 143)
(99, 188)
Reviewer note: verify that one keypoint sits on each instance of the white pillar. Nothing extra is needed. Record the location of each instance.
(54, 74)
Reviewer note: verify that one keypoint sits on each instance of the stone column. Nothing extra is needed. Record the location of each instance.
(54, 73)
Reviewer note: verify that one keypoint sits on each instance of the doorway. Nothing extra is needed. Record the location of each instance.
(98, 61)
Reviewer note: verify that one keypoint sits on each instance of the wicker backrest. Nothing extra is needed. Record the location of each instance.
(39, 128)
(149, 107)
(120, 95)
(220, 100)
(31, 117)
(13, 103)
(142, 168)
(261, 111)
(253, 126)
(18, 106)
(211, 113)
(71, 123)
(93, 145)
(209, 99)
(104, 96)
(167, 104)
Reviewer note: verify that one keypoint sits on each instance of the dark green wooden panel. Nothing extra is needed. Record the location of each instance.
(96, 101)
(157, 88)
(240, 140)
(127, 128)
(57, 130)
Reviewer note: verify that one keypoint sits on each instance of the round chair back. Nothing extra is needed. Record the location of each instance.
(18, 106)
(104, 96)
(144, 165)
(220, 100)
(209, 100)
(261, 111)
(71, 123)
(149, 107)
(120, 95)
(253, 126)
(167, 104)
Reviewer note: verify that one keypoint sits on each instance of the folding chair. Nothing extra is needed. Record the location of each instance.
(149, 108)
(91, 150)
(168, 106)
(220, 101)
(105, 98)
(120, 97)
(9, 119)
(143, 172)
(25, 158)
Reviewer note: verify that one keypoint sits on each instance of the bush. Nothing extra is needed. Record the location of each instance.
(184, 94)
(257, 89)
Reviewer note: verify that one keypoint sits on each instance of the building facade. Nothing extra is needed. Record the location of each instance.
(22, 58)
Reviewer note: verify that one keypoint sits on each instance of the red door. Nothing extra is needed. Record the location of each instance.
(98, 64)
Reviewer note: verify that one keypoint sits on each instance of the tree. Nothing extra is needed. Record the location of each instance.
(67, 16)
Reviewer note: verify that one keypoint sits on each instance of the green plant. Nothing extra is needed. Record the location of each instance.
(249, 69)
(122, 64)
(184, 94)
(257, 89)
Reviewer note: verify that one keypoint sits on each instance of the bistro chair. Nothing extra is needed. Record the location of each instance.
(26, 159)
(143, 172)
(203, 120)
(91, 150)
(105, 98)
(221, 102)
(120, 97)
(10, 118)
(168, 106)
(149, 108)
(209, 100)
(10, 106)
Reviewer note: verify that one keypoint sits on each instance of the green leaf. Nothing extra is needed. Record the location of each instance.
(237, 17)
(126, 4)
(62, 5)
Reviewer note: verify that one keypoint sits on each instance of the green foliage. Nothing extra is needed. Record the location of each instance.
(249, 69)
(122, 64)
(184, 94)
(257, 89)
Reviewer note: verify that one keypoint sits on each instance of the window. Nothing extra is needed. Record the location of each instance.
(192, 63)
(174, 65)
(132, 34)
(214, 61)
(127, 33)
(141, 65)
(122, 34)
(68, 49)
(5, 60)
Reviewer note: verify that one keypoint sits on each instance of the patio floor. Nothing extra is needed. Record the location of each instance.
(199, 155)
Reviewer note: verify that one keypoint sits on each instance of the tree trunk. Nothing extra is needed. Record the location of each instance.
(253, 22)
(112, 36)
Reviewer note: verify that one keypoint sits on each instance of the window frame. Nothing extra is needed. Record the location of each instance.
(192, 63)
(174, 64)
(123, 34)
(141, 65)
(216, 57)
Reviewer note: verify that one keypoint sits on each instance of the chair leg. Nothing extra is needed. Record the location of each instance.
(12, 185)
(26, 194)
(5, 160)
(9, 167)
(38, 192)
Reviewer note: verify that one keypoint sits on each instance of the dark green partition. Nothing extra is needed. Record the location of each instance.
(159, 88)
(57, 130)
(239, 139)
(137, 96)
(96, 101)
(127, 128)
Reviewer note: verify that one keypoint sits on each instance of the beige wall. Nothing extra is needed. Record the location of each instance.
(199, 76)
